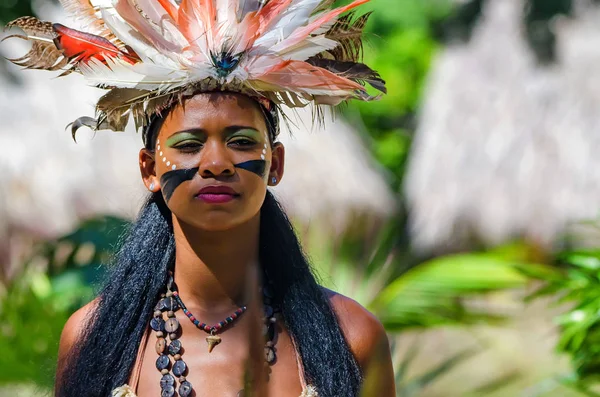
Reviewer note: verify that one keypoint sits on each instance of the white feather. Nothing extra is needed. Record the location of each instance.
(295, 16)
(306, 49)
(88, 14)
(162, 23)
(325, 27)
(130, 36)
(256, 66)
(227, 15)
(120, 74)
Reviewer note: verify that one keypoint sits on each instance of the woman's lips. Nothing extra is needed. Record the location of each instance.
(215, 198)
(217, 194)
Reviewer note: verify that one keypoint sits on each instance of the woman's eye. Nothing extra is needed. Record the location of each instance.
(242, 142)
(189, 146)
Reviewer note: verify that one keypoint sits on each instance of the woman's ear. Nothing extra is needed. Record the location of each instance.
(277, 164)
(148, 170)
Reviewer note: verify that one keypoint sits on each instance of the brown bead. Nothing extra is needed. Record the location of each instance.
(157, 313)
(164, 371)
(161, 345)
(171, 325)
(169, 293)
(170, 314)
(160, 334)
(173, 336)
(177, 357)
(182, 379)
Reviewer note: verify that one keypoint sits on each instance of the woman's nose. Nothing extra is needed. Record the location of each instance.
(215, 161)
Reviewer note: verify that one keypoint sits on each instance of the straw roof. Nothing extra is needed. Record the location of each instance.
(49, 183)
(505, 146)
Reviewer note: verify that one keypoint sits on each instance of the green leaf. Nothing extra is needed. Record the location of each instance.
(437, 287)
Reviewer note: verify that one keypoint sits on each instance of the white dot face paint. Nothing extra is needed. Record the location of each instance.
(164, 158)
(263, 155)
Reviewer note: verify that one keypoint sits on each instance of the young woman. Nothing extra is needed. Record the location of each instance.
(211, 293)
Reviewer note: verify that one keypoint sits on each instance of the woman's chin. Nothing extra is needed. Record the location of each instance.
(214, 221)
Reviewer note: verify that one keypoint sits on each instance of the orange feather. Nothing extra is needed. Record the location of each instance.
(266, 14)
(170, 9)
(85, 46)
(132, 16)
(196, 20)
(298, 75)
(255, 23)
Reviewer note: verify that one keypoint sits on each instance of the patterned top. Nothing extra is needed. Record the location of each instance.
(126, 391)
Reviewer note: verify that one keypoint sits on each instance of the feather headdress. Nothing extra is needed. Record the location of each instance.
(151, 53)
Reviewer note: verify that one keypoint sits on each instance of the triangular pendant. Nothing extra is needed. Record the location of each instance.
(212, 341)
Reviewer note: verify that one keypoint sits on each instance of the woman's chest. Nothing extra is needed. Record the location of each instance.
(221, 372)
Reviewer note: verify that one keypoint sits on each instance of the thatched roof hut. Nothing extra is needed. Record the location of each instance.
(506, 146)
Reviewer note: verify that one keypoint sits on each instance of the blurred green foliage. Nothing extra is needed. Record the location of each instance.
(57, 280)
(13, 9)
(30, 330)
(434, 293)
(574, 283)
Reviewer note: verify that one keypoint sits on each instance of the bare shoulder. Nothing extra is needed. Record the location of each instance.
(74, 326)
(70, 334)
(363, 331)
(369, 344)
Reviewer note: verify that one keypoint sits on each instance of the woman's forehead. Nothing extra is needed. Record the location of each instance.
(215, 111)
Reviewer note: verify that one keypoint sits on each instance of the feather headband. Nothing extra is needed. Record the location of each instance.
(151, 54)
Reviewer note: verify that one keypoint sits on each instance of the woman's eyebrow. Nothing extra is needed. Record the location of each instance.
(235, 128)
(195, 131)
(228, 131)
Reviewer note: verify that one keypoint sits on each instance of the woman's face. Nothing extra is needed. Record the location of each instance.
(212, 161)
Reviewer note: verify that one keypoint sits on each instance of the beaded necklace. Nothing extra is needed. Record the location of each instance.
(212, 339)
(169, 331)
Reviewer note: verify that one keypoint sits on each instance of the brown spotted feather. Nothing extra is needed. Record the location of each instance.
(43, 53)
(349, 33)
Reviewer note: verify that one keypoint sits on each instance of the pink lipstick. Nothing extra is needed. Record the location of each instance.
(217, 194)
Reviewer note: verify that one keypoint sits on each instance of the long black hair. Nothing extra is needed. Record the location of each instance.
(107, 349)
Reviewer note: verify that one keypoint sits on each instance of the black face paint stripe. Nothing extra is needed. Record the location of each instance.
(256, 166)
(172, 179)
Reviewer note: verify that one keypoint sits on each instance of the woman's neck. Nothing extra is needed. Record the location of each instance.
(212, 268)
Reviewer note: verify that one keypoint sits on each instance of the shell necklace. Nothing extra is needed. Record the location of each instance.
(169, 346)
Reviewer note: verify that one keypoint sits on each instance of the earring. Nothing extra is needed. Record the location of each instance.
(151, 187)
(274, 180)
